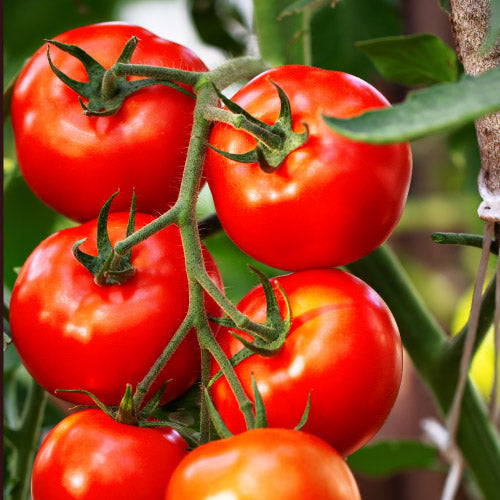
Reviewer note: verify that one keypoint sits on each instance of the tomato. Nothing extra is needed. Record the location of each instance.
(343, 348)
(268, 464)
(73, 334)
(333, 200)
(90, 456)
(73, 162)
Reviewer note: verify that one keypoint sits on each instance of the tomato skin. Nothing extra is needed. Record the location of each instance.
(268, 464)
(343, 348)
(73, 334)
(90, 456)
(73, 162)
(333, 200)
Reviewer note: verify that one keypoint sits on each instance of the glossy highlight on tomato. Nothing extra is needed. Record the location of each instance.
(264, 464)
(73, 162)
(333, 200)
(343, 349)
(90, 456)
(73, 334)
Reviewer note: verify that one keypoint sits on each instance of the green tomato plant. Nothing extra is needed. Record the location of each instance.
(286, 32)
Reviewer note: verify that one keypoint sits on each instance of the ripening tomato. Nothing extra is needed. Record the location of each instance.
(333, 200)
(268, 464)
(73, 162)
(73, 334)
(90, 456)
(343, 348)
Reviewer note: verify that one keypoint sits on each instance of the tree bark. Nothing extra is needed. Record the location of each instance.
(470, 23)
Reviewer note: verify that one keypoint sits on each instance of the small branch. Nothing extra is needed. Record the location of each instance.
(208, 342)
(453, 479)
(204, 416)
(241, 320)
(145, 384)
(239, 121)
(495, 403)
(471, 240)
(28, 435)
(159, 72)
(168, 218)
(454, 414)
(235, 70)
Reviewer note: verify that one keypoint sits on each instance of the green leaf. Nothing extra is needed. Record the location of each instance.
(412, 60)
(426, 112)
(219, 23)
(334, 33)
(390, 457)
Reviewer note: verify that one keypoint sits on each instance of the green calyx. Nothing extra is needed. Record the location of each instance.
(274, 142)
(280, 327)
(108, 268)
(105, 90)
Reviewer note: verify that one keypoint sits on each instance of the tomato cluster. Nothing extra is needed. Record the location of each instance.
(330, 202)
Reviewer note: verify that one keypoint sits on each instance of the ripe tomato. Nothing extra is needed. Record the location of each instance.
(90, 456)
(343, 348)
(333, 200)
(73, 334)
(268, 464)
(73, 162)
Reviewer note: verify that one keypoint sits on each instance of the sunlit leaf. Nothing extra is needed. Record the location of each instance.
(427, 111)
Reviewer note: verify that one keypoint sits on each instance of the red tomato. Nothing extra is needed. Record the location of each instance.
(90, 456)
(73, 162)
(333, 200)
(73, 334)
(343, 348)
(268, 464)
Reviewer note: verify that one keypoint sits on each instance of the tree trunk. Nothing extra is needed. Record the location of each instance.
(470, 23)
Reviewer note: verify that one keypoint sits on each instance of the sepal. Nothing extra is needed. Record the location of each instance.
(274, 142)
(107, 268)
(104, 102)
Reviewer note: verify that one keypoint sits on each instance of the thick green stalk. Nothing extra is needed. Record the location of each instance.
(184, 215)
(24, 439)
(426, 342)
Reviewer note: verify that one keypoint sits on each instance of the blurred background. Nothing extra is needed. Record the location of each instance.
(443, 194)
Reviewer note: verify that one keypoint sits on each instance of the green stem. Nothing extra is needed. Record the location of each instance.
(208, 341)
(184, 214)
(195, 265)
(426, 342)
(241, 321)
(239, 121)
(471, 240)
(169, 74)
(26, 439)
(168, 218)
(145, 384)
(235, 70)
(204, 416)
